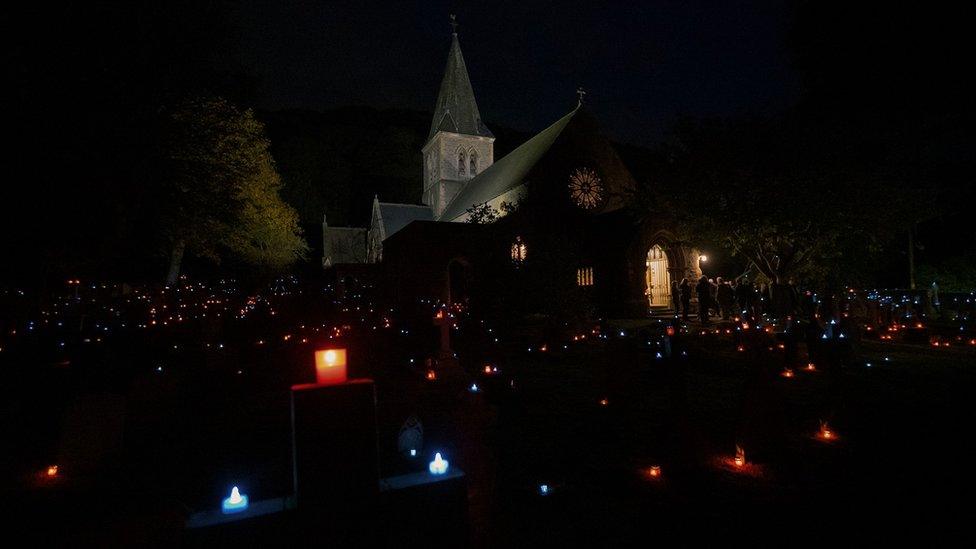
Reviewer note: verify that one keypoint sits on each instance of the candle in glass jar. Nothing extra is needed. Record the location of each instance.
(330, 366)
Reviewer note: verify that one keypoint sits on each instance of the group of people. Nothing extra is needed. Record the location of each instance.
(717, 297)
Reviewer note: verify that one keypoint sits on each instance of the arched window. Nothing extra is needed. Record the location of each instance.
(519, 251)
(461, 161)
(584, 276)
(473, 163)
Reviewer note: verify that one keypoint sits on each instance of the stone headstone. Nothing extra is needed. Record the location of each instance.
(411, 435)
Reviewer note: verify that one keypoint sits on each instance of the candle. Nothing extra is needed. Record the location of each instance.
(740, 456)
(236, 503)
(330, 366)
(654, 471)
(52, 471)
(439, 465)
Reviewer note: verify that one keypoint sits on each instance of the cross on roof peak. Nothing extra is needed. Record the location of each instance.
(454, 24)
(580, 92)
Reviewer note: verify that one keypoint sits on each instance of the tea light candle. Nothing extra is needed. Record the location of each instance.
(236, 503)
(740, 456)
(439, 465)
(330, 366)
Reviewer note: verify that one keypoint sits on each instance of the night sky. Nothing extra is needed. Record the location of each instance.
(643, 64)
(877, 82)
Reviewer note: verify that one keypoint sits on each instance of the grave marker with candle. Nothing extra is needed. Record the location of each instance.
(334, 439)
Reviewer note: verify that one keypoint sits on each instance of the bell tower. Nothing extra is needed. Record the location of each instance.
(459, 145)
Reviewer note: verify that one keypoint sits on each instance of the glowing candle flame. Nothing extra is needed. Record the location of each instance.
(236, 503)
(438, 466)
(330, 366)
(740, 456)
(52, 470)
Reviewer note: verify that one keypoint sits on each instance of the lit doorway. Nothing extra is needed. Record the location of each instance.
(657, 278)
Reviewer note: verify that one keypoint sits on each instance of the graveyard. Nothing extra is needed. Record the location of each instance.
(478, 274)
(141, 412)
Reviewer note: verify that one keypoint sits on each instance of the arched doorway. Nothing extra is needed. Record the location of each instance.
(657, 279)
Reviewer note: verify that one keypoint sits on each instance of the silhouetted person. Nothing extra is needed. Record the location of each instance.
(704, 292)
(794, 297)
(724, 297)
(676, 297)
(684, 290)
(744, 295)
(712, 294)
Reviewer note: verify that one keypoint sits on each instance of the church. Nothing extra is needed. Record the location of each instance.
(551, 228)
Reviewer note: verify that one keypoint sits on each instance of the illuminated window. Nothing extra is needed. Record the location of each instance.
(473, 163)
(584, 276)
(586, 188)
(460, 162)
(519, 251)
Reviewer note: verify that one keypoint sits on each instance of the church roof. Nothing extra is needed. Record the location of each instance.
(456, 110)
(344, 245)
(398, 216)
(506, 174)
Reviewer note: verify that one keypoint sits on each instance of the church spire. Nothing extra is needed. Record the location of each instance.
(456, 110)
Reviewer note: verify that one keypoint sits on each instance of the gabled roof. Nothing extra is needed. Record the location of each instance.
(507, 173)
(398, 216)
(344, 245)
(456, 110)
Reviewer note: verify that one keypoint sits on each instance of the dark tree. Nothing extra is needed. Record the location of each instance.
(218, 189)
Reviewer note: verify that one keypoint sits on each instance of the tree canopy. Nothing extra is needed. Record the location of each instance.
(218, 189)
(793, 203)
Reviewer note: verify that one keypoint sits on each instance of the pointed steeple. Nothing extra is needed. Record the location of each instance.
(456, 110)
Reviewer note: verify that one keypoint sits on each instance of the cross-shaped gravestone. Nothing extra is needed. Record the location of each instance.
(580, 92)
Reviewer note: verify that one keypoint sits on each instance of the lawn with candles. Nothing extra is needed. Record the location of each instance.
(623, 441)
